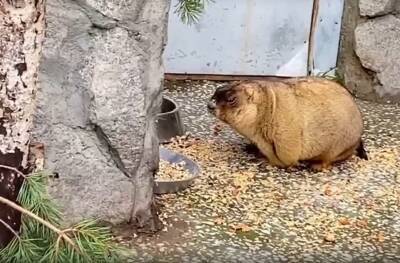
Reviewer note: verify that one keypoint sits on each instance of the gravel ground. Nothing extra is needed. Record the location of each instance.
(242, 210)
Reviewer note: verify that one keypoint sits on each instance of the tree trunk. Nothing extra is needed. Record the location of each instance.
(21, 36)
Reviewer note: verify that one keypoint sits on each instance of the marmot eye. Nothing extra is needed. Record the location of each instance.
(231, 100)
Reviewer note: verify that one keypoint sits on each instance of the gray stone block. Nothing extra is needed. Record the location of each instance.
(372, 8)
(377, 46)
(100, 84)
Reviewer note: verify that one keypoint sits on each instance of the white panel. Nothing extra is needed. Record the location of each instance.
(327, 35)
(242, 37)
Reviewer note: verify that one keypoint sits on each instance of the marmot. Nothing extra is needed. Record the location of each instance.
(299, 119)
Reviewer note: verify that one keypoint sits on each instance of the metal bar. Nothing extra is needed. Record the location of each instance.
(218, 77)
(311, 41)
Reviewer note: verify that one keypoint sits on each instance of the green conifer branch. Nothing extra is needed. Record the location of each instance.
(190, 10)
(42, 240)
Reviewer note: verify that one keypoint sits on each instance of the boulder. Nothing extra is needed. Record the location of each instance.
(372, 8)
(377, 46)
(100, 83)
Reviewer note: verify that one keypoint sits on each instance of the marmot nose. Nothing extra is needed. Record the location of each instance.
(211, 105)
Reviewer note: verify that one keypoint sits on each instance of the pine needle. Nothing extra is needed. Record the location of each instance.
(190, 10)
(34, 197)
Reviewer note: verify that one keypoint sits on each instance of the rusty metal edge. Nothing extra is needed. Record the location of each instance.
(217, 77)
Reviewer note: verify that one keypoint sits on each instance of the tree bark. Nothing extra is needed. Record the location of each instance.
(22, 26)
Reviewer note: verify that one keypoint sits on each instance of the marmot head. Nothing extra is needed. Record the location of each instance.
(236, 104)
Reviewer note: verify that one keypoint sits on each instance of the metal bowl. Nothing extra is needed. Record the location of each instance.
(166, 187)
(169, 122)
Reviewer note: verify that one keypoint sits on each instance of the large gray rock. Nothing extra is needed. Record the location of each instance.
(357, 80)
(373, 8)
(377, 46)
(101, 79)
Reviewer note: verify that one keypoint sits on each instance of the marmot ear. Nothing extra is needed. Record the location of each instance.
(235, 83)
(250, 93)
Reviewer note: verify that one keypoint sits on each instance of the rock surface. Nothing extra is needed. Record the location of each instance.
(373, 8)
(100, 84)
(377, 46)
(357, 80)
(368, 57)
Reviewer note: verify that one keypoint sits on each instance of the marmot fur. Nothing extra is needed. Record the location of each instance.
(299, 119)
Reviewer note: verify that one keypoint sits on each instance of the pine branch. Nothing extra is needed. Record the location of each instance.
(10, 228)
(13, 169)
(190, 10)
(20, 250)
(33, 196)
(334, 75)
(43, 241)
(37, 218)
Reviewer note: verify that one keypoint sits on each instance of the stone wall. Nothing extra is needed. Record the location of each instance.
(100, 84)
(370, 49)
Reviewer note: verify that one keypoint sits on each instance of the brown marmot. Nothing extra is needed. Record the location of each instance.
(299, 119)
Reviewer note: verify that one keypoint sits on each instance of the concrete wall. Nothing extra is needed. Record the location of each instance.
(100, 84)
(370, 49)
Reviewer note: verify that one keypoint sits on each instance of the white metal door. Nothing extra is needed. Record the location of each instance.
(252, 37)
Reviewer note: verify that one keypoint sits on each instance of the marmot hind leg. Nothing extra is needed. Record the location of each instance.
(346, 154)
(325, 163)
